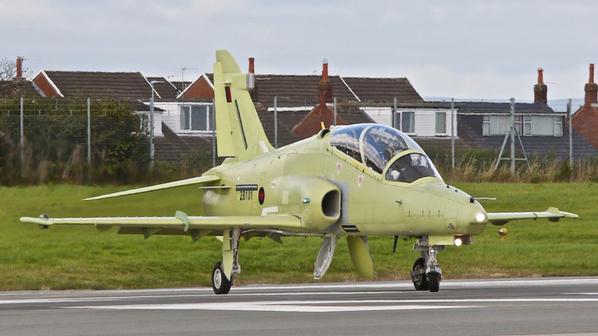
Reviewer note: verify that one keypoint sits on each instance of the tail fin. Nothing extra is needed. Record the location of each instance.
(238, 127)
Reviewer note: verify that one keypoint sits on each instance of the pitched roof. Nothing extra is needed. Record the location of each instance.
(296, 90)
(111, 85)
(165, 89)
(383, 90)
(179, 85)
(16, 88)
(484, 107)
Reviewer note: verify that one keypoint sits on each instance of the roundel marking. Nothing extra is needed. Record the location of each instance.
(261, 195)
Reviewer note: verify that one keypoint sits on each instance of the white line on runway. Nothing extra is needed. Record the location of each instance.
(133, 297)
(288, 306)
(330, 305)
(481, 283)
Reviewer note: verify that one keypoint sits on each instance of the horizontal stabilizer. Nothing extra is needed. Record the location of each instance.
(553, 214)
(168, 185)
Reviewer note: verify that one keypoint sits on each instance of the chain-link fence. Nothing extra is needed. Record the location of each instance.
(468, 140)
(73, 140)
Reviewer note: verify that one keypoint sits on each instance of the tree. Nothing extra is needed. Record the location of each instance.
(8, 69)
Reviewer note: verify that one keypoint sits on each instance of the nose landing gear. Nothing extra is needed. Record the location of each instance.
(426, 273)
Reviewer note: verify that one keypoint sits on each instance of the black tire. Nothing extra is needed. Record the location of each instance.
(418, 275)
(220, 284)
(433, 281)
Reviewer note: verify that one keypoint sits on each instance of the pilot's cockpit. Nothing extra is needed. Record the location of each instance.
(378, 146)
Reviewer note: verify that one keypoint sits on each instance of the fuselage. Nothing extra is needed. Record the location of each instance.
(325, 187)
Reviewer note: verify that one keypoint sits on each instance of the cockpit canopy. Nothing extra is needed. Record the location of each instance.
(376, 146)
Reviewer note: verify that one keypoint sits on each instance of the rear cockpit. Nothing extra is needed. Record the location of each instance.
(384, 150)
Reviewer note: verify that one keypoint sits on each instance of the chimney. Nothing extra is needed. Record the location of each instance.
(19, 65)
(540, 89)
(325, 86)
(251, 75)
(591, 89)
(252, 65)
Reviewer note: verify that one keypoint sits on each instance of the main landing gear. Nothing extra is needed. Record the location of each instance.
(225, 271)
(426, 273)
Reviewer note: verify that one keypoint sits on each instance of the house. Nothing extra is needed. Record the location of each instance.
(296, 96)
(585, 119)
(483, 125)
(126, 86)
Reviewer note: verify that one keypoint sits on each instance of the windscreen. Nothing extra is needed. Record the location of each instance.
(411, 167)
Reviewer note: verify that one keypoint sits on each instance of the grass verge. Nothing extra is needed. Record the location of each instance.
(81, 257)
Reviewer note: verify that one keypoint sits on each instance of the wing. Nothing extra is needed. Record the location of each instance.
(179, 224)
(206, 179)
(553, 214)
(180, 220)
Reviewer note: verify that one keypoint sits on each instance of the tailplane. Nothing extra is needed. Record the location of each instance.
(238, 127)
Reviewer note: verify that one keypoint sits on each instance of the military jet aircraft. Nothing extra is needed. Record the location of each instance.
(354, 181)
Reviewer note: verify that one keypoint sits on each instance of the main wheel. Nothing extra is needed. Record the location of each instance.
(220, 284)
(418, 275)
(433, 281)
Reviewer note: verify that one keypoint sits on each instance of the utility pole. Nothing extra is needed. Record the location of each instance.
(453, 133)
(512, 136)
(569, 126)
(275, 121)
(393, 113)
(22, 131)
(88, 131)
(151, 125)
(334, 109)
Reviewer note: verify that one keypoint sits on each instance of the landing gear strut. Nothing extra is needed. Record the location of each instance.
(426, 273)
(225, 271)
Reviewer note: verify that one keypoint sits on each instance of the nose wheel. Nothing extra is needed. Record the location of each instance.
(220, 284)
(426, 273)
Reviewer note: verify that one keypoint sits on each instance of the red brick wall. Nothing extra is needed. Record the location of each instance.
(585, 122)
(200, 89)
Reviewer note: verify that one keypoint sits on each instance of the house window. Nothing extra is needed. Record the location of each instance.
(195, 118)
(440, 122)
(396, 120)
(527, 125)
(558, 126)
(408, 122)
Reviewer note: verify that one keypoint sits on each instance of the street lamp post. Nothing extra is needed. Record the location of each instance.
(151, 124)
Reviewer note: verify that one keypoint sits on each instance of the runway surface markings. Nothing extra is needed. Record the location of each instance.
(132, 297)
(336, 305)
(279, 306)
(381, 285)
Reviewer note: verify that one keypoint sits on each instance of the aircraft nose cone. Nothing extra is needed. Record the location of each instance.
(472, 219)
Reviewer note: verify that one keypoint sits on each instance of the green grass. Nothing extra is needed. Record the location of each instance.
(82, 257)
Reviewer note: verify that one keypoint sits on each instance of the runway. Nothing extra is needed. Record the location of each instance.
(543, 306)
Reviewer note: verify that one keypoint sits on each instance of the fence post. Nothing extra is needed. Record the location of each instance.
(393, 113)
(275, 121)
(334, 109)
(88, 131)
(22, 131)
(453, 133)
(512, 136)
(569, 125)
(213, 127)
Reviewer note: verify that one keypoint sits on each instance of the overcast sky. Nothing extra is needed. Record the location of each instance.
(469, 49)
